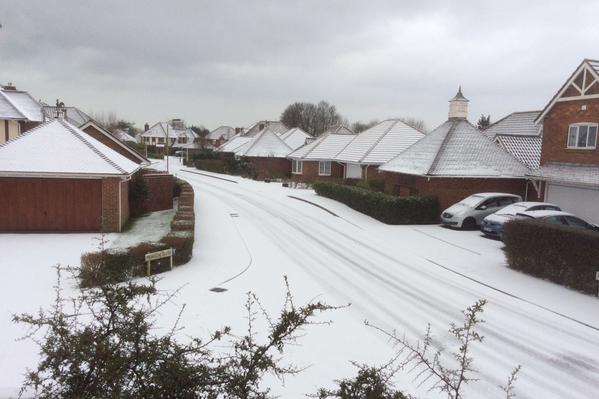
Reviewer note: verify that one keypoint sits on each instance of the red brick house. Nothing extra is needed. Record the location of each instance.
(569, 161)
(267, 153)
(376, 146)
(315, 161)
(454, 161)
(55, 177)
(220, 135)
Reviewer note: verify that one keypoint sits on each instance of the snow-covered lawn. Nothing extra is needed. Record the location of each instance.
(148, 228)
(400, 277)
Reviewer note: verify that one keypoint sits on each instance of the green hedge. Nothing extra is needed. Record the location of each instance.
(560, 254)
(386, 208)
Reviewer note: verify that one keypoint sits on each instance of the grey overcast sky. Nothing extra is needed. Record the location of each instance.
(234, 62)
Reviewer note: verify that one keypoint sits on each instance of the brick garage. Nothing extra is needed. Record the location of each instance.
(81, 185)
(270, 167)
(451, 190)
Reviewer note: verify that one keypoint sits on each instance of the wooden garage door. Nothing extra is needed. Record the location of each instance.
(50, 204)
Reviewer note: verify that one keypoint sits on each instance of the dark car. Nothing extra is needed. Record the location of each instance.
(559, 218)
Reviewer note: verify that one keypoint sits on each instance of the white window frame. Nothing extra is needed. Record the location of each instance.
(575, 128)
(322, 168)
(297, 167)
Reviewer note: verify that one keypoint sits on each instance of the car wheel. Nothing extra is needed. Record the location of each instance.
(469, 224)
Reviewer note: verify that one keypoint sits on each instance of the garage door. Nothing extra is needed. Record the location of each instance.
(29, 204)
(582, 202)
(353, 171)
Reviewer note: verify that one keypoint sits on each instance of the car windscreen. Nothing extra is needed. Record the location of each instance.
(471, 201)
(512, 209)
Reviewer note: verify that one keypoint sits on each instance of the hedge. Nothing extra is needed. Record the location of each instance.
(561, 254)
(386, 208)
(114, 265)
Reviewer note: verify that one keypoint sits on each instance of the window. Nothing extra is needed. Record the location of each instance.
(582, 136)
(576, 222)
(324, 168)
(296, 167)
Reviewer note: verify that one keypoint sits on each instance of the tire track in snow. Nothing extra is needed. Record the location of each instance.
(260, 205)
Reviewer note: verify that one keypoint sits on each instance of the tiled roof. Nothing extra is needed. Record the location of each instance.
(225, 132)
(160, 130)
(517, 123)
(237, 143)
(274, 126)
(325, 147)
(380, 143)
(26, 105)
(339, 129)
(266, 144)
(456, 149)
(123, 135)
(526, 149)
(60, 148)
(568, 173)
(295, 138)
(9, 111)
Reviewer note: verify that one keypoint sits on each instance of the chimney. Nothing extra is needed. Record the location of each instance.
(9, 86)
(146, 127)
(458, 106)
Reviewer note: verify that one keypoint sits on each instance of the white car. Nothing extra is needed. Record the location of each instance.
(492, 225)
(470, 212)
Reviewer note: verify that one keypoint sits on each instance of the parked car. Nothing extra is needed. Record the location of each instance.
(559, 218)
(492, 225)
(469, 212)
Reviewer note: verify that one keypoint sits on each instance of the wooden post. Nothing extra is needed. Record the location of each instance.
(149, 268)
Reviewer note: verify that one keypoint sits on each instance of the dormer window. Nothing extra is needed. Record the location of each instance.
(582, 136)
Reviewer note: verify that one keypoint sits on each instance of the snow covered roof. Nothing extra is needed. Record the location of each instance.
(274, 126)
(380, 143)
(236, 144)
(526, 149)
(9, 111)
(266, 144)
(518, 134)
(23, 103)
(566, 173)
(325, 147)
(456, 149)
(123, 135)
(159, 129)
(225, 132)
(295, 138)
(339, 129)
(73, 114)
(58, 148)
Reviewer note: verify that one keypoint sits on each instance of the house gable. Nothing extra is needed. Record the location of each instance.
(583, 84)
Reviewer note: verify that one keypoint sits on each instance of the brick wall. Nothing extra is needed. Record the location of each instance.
(310, 172)
(111, 205)
(451, 190)
(101, 137)
(270, 167)
(160, 192)
(555, 132)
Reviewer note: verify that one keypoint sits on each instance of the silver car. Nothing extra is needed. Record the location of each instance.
(469, 212)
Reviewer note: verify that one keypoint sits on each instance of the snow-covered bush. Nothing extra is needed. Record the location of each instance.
(384, 207)
(561, 254)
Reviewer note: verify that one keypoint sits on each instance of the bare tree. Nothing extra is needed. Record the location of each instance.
(104, 343)
(312, 118)
(417, 124)
(425, 362)
(483, 122)
(360, 126)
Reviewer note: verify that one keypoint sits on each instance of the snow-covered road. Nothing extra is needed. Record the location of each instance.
(398, 277)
